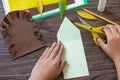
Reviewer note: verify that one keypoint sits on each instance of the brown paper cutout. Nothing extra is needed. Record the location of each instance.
(20, 34)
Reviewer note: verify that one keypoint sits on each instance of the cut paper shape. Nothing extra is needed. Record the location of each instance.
(70, 36)
(21, 35)
(86, 15)
(62, 7)
(40, 6)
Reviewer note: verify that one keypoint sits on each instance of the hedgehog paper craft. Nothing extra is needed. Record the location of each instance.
(21, 35)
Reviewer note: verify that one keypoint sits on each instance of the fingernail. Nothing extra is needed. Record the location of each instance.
(54, 43)
(65, 62)
(98, 39)
(59, 42)
(47, 48)
(109, 25)
(62, 47)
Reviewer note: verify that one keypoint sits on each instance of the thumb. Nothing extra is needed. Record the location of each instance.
(101, 43)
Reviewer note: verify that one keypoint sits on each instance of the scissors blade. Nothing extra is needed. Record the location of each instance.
(83, 21)
(90, 28)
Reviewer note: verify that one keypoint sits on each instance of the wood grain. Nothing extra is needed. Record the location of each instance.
(100, 66)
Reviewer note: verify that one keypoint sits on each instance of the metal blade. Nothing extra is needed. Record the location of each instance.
(83, 21)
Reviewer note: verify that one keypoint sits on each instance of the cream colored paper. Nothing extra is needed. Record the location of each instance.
(70, 36)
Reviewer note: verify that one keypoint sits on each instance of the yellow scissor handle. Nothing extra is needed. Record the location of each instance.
(98, 29)
(91, 29)
(95, 37)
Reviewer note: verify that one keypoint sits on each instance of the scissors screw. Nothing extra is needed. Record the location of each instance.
(91, 28)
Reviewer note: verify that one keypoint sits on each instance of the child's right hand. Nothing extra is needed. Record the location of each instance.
(112, 47)
(49, 66)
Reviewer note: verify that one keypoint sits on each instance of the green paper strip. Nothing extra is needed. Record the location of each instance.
(62, 7)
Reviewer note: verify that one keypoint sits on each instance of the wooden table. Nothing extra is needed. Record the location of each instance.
(100, 66)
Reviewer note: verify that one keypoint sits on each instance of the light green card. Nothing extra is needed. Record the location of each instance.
(70, 36)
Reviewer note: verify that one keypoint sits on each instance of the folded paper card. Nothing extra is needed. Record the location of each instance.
(70, 36)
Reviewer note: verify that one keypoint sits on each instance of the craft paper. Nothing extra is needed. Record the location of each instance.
(62, 7)
(49, 12)
(21, 35)
(70, 36)
(26, 4)
(86, 15)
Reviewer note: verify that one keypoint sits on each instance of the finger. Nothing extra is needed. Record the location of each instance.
(44, 53)
(108, 32)
(60, 53)
(101, 43)
(62, 65)
(118, 27)
(113, 29)
(56, 50)
(50, 50)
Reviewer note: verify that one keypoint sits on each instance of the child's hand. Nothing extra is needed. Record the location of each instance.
(112, 48)
(49, 66)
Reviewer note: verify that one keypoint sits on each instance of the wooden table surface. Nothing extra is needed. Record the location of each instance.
(100, 66)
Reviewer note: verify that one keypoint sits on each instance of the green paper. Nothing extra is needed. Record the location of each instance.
(62, 7)
(70, 36)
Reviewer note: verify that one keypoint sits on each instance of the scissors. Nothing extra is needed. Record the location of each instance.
(94, 30)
